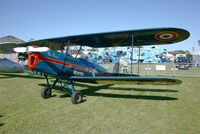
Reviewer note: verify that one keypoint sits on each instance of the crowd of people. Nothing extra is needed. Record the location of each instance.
(113, 55)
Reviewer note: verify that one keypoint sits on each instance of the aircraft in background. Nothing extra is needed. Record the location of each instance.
(68, 69)
(9, 66)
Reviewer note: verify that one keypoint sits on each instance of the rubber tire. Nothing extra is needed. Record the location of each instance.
(77, 97)
(46, 93)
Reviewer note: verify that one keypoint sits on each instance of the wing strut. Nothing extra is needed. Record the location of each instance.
(132, 42)
(77, 53)
(138, 64)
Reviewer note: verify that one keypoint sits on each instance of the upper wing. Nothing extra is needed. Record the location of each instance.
(143, 37)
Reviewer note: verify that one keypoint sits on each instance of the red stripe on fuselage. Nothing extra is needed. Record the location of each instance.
(40, 57)
(62, 63)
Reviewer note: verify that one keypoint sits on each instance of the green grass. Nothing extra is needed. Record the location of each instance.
(107, 109)
(193, 71)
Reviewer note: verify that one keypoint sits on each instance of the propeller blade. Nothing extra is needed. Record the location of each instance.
(38, 49)
(30, 49)
(20, 49)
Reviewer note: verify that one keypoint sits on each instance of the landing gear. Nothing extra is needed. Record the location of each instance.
(68, 87)
(77, 97)
(46, 93)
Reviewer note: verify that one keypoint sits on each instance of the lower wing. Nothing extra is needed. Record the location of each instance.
(131, 80)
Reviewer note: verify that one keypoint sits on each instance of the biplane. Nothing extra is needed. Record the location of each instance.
(68, 69)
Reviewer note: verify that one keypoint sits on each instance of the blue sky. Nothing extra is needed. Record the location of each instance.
(40, 19)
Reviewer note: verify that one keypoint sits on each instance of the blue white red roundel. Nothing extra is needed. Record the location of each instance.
(166, 36)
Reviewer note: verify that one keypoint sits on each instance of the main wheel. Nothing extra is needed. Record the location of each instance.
(77, 97)
(45, 92)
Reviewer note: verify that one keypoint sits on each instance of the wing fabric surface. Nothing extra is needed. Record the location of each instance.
(143, 37)
(153, 80)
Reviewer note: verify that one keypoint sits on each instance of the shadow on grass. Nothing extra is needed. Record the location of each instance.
(1, 124)
(92, 91)
(10, 75)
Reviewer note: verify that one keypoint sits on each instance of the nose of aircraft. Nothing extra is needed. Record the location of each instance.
(33, 59)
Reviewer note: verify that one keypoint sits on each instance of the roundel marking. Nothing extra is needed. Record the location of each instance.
(166, 36)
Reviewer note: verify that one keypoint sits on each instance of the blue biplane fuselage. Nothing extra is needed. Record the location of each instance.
(62, 65)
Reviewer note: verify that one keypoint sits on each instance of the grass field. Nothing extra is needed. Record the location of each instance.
(150, 69)
(107, 109)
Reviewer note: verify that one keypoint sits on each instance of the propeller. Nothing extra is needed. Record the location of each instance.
(30, 49)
